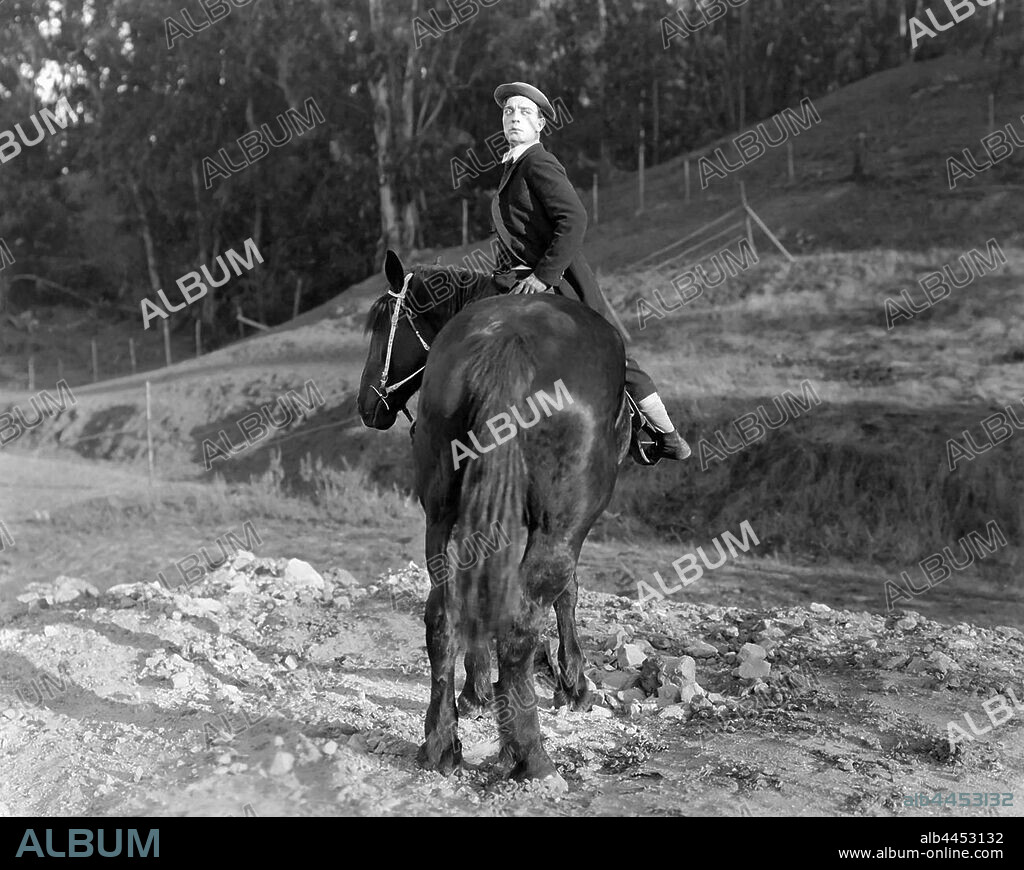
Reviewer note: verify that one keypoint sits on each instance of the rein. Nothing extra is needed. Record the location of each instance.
(383, 391)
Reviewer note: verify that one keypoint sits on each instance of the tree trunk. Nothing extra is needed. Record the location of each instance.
(741, 88)
(383, 132)
(152, 264)
(202, 249)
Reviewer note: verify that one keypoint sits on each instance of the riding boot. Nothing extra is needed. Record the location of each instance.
(669, 443)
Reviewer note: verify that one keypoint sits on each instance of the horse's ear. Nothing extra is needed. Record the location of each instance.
(393, 270)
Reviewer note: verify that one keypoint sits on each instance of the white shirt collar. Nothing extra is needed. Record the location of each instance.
(517, 152)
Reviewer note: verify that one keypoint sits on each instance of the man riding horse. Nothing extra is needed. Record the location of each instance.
(540, 223)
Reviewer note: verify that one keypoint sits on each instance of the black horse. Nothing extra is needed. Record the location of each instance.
(492, 357)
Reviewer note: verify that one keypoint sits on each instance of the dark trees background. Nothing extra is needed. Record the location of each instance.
(115, 206)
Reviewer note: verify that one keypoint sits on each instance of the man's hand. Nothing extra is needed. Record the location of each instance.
(529, 284)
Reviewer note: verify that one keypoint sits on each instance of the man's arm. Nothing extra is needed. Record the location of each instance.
(548, 182)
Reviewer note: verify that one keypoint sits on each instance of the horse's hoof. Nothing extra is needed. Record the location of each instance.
(472, 708)
(553, 783)
(540, 769)
(580, 703)
(445, 761)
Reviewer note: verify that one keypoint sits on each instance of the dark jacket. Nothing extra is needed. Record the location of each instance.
(545, 222)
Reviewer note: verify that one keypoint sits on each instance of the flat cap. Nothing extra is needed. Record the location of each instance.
(522, 89)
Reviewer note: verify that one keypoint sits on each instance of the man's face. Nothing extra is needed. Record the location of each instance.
(521, 120)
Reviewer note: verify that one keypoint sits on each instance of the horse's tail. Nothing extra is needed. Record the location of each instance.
(491, 498)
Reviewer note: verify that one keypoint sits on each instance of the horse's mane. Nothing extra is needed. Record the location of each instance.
(468, 286)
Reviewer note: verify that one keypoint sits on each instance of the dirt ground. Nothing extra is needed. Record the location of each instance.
(268, 688)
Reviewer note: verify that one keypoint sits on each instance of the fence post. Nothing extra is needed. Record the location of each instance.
(31, 373)
(199, 342)
(746, 214)
(298, 296)
(595, 198)
(789, 159)
(131, 353)
(686, 178)
(858, 157)
(95, 361)
(465, 221)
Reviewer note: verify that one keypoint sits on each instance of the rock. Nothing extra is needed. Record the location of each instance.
(687, 669)
(753, 670)
(181, 680)
(630, 695)
(49, 630)
(617, 680)
(630, 655)
(221, 759)
(752, 652)
(341, 577)
(943, 662)
(819, 608)
(701, 702)
(301, 575)
(700, 649)
(917, 665)
(676, 711)
(690, 691)
(242, 560)
(669, 694)
(650, 674)
(768, 631)
(330, 747)
(619, 637)
(291, 662)
(600, 712)
(310, 753)
(897, 661)
(907, 623)
(283, 763)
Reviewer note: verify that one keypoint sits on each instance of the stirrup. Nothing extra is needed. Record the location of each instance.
(643, 448)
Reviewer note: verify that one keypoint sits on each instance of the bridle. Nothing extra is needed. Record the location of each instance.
(383, 391)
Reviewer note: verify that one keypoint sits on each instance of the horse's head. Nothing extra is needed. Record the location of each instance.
(403, 324)
(399, 344)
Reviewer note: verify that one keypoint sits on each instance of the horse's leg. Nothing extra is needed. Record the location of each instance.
(572, 681)
(547, 572)
(477, 693)
(515, 702)
(442, 750)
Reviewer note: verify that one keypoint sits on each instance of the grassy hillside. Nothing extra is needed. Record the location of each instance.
(862, 477)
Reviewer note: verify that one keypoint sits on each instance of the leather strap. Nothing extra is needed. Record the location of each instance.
(499, 224)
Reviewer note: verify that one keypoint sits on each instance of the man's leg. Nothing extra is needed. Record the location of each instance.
(640, 386)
